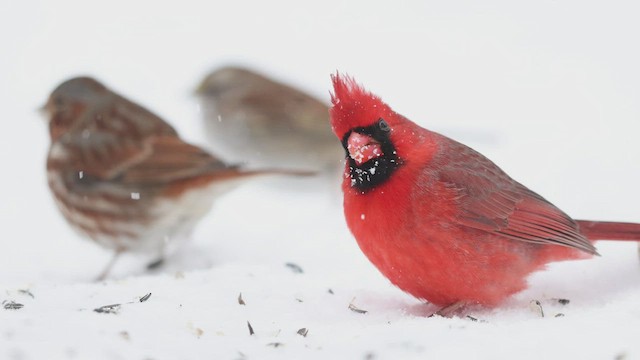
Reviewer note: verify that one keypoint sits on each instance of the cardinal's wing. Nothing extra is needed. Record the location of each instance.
(488, 199)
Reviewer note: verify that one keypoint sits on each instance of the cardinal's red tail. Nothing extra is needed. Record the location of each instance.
(602, 230)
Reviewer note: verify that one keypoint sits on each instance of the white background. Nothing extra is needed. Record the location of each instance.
(549, 90)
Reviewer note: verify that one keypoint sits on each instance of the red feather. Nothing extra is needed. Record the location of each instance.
(440, 220)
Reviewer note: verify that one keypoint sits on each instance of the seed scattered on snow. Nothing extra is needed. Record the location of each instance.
(125, 335)
(240, 300)
(563, 301)
(536, 306)
(275, 344)
(26, 292)
(299, 300)
(330, 291)
(251, 332)
(195, 330)
(559, 315)
(303, 332)
(356, 309)
(294, 267)
(108, 309)
(475, 319)
(115, 308)
(11, 305)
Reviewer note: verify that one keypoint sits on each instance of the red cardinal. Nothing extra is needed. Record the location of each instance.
(440, 220)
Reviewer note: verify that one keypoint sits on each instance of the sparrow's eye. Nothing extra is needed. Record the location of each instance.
(383, 125)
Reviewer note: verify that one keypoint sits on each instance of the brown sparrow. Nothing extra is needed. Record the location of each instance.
(252, 119)
(121, 176)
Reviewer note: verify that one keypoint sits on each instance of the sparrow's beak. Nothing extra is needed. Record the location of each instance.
(43, 111)
(201, 89)
(198, 91)
(363, 148)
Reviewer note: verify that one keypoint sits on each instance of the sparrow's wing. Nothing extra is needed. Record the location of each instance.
(167, 159)
(154, 160)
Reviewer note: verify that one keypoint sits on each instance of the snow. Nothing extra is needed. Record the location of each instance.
(549, 90)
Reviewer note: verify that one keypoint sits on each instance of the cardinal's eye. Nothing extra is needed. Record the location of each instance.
(383, 125)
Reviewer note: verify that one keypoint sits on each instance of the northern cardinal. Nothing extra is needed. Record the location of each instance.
(122, 177)
(440, 220)
(253, 119)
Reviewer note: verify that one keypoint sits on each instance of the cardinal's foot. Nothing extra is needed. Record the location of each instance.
(450, 310)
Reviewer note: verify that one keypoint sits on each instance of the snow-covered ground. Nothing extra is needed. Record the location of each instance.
(548, 90)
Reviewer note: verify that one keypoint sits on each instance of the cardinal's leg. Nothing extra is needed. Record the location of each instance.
(451, 309)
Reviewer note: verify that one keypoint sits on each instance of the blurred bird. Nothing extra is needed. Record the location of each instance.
(252, 119)
(122, 177)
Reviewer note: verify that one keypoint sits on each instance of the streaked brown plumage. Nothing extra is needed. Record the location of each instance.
(121, 176)
(252, 119)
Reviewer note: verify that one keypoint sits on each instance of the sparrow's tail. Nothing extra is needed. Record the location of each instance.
(284, 172)
(603, 230)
